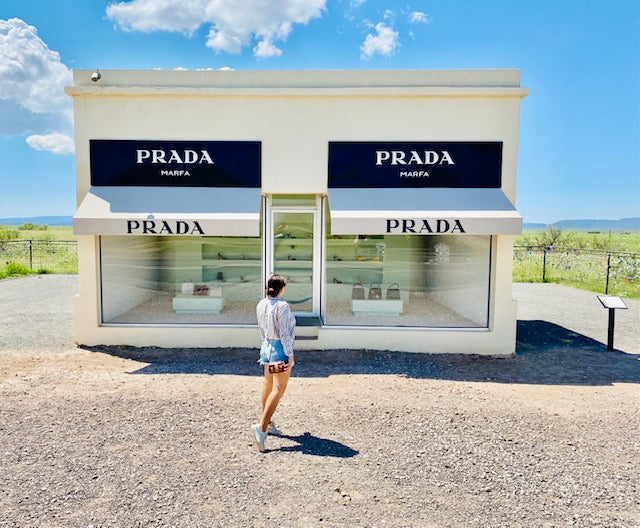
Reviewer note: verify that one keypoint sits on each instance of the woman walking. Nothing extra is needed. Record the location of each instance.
(277, 327)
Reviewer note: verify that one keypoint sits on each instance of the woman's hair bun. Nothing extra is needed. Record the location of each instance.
(275, 285)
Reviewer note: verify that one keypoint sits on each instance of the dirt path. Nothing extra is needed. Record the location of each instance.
(148, 437)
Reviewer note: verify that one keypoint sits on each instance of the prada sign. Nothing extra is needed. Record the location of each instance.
(232, 225)
(468, 164)
(424, 226)
(164, 227)
(175, 163)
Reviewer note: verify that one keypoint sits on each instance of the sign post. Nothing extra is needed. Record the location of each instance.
(612, 303)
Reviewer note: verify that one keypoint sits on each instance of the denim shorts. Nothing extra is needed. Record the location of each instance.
(272, 348)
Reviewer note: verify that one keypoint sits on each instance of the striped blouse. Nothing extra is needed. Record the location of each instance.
(275, 321)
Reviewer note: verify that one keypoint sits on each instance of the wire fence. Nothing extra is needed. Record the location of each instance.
(610, 272)
(41, 256)
(603, 271)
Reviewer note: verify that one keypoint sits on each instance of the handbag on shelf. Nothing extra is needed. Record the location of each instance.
(375, 291)
(393, 291)
(357, 292)
(200, 289)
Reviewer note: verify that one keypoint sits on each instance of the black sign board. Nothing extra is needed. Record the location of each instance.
(467, 164)
(175, 163)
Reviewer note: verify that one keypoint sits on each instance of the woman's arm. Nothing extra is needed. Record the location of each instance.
(260, 313)
(287, 327)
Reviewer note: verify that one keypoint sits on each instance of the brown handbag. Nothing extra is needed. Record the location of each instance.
(358, 291)
(375, 292)
(200, 289)
(393, 291)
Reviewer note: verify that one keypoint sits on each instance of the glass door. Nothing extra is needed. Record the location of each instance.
(294, 255)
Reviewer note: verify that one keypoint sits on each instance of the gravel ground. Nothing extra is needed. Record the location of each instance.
(126, 437)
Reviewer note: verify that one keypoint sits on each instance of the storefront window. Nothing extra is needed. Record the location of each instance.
(174, 280)
(405, 280)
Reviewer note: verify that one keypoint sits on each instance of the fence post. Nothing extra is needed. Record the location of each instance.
(31, 254)
(544, 264)
(606, 286)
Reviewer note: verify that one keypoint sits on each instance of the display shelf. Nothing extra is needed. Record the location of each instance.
(347, 264)
(376, 307)
(231, 270)
(294, 265)
(187, 304)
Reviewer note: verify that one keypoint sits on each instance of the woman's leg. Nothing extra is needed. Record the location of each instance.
(279, 385)
(267, 386)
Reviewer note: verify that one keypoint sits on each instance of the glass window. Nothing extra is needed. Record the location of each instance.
(293, 257)
(408, 280)
(173, 280)
(293, 199)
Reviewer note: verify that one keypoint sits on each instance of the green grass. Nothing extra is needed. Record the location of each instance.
(580, 269)
(36, 232)
(605, 240)
(44, 256)
(14, 269)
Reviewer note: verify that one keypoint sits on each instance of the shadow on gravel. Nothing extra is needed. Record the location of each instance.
(312, 445)
(546, 354)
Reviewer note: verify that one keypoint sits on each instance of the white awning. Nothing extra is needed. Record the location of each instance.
(201, 211)
(422, 211)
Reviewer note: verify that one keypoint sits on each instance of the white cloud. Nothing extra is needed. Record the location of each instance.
(234, 24)
(418, 17)
(266, 49)
(149, 15)
(32, 81)
(356, 3)
(56, 143)
(383, 42)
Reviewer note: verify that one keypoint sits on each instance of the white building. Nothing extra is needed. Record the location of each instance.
(386, 198)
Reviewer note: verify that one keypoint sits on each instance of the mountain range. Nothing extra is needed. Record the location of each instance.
(39, 220)
(624, 224)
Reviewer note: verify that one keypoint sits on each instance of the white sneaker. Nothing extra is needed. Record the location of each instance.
(273, 430)
(259, 436)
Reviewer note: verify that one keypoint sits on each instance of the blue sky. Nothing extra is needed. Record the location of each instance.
(579, 127)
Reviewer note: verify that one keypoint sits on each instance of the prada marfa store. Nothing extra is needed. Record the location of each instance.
(386, 199)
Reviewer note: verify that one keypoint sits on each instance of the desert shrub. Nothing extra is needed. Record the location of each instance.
(8, 233)
(43, 236)
(33, 227)
(552, 236)
(14, 269)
